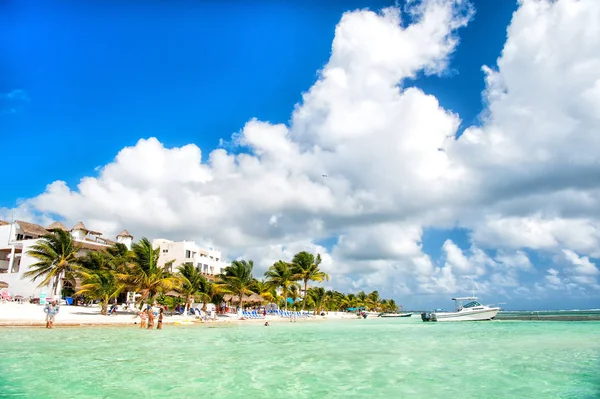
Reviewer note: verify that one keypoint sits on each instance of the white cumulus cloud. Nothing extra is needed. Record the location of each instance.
(525, 179)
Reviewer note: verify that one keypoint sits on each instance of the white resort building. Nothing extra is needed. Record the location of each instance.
(207, 260)
(17, 237)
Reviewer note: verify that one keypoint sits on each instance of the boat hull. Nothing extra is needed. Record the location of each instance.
(471, 315)
(397, 315)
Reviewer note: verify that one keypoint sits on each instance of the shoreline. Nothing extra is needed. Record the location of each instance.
(57, 323)
(14, 315)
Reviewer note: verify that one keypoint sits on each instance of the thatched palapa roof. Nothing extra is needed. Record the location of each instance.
(57, 226)
(32, 228)
(81, 226)
(3, 223)
(124, 233)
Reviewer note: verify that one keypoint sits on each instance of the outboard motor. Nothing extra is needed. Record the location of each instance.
(425, 316)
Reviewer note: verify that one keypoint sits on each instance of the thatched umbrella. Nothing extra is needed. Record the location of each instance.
(255, 298)
(3, 284)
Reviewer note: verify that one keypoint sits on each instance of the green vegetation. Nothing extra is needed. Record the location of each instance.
(104, 275)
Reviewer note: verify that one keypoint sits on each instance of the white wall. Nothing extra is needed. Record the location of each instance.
(204, 258)
(5, 233)
(78, 234)
(17, 284)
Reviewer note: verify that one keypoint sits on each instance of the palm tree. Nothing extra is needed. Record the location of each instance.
(373, 301)
(348, 301)
(96, 260)
(294, 294)
(145, 275)
(281, 275)
(237, 279)
(306, 267)
(391, 306)
(120, 256)
(333, 300)
(212, 292)
(266, 290)
(361, 299)
(191, 284)
(57, 256)
(101, 284)
(318, 297)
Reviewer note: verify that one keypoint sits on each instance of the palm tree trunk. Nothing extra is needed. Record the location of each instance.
(285, 298)
(187, 306)
(305, 294)
(104, 306)
(55, 285)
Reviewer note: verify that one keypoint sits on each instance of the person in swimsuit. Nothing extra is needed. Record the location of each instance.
(150, 318)
(160, 319)
(143, 316)
(51, 311)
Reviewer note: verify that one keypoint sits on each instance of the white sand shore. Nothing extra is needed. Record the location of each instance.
(26, 314)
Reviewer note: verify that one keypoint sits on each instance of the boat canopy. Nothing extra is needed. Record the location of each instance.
(472, 304)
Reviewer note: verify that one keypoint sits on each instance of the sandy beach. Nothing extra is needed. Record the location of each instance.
(13, 314)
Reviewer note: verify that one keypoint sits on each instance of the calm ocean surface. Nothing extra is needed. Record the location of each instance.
(373, 358)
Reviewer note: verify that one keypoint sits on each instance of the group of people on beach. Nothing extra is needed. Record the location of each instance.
(148, 315)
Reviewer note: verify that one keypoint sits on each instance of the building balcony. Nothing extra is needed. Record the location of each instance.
(4, 264)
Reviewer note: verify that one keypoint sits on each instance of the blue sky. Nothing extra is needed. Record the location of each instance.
(82, 80)
(101, 75)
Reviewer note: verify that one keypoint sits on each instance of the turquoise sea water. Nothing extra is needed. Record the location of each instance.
(373, 358)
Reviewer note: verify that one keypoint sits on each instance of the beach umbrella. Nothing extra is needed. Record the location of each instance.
(254, 298)
(3, 284)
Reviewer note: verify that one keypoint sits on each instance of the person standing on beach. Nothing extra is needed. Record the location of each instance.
(160, 319)
(51, 310)
(143, 316)
(150, 318)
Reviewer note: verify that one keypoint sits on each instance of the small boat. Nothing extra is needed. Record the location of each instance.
(395, 315)
(472, 311)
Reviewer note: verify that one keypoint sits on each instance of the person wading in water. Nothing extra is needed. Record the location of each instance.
(51, 311)
(160, 318)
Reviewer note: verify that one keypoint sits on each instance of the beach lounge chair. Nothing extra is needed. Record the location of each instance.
(256, 315)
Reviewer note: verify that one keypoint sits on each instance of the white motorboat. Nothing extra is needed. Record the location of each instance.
(471, 311)
(395, 315)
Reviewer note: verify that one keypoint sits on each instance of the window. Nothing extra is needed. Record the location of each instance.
(165, 251)
(472, 304)
(19, 237)
(188, 254)
(217, 259)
